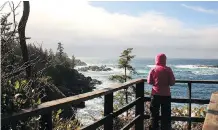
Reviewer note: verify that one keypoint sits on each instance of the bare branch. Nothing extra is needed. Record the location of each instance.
(1, 8)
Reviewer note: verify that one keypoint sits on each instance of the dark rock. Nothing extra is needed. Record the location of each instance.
(70, 80)
(80, 105)
(208, 66)
(96, 82)
(94, 68)
(79, 63)
(214, 66)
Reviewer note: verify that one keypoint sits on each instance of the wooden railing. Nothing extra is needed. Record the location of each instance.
(45, 109)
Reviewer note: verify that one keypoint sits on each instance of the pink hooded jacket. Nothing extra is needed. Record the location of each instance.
(161, 77)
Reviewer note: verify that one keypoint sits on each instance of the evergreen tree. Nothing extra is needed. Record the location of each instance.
(51, 55)
(124, 63)
(60, 50)
(73, 62)
(46, 52)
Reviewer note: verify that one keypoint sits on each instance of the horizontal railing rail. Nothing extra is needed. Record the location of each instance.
(45, 109)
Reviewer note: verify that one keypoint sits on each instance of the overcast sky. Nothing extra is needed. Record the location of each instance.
(104, 29)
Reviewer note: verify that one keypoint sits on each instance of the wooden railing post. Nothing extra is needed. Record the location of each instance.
(46, 121)
(108, 109)
(189, 105)
(139, 110)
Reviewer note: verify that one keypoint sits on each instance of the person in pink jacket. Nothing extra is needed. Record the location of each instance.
(161, 78)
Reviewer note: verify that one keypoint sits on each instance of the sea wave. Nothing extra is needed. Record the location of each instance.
(151, 66)
(91, 112)
(94, 107)
(190, 66)
(206, 72)
(114, 71)
(100, 64)
(141, 71)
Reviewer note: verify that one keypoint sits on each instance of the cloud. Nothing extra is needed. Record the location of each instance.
(200, 9)
(86, 30)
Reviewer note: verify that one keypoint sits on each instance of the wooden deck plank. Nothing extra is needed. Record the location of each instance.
(211, 120)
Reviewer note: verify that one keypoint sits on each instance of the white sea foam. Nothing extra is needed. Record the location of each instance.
(94, 107)
(206, 72)
(186, 66)
(91, 111)
(192, 66)
(151, 66)
(141, 71)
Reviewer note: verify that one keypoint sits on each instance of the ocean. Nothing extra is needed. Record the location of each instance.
(184, 69)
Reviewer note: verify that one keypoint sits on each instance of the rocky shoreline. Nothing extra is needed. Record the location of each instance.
(94, 68)
(78, 62)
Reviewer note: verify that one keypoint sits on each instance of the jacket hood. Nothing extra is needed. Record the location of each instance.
(161, 59)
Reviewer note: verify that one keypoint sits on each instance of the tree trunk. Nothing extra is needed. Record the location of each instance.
(126, 93)
(125, 74)
(21, 31)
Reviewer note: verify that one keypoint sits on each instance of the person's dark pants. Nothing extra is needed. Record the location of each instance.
(165, 104)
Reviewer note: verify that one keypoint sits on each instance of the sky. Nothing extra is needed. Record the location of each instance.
(104, 29)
